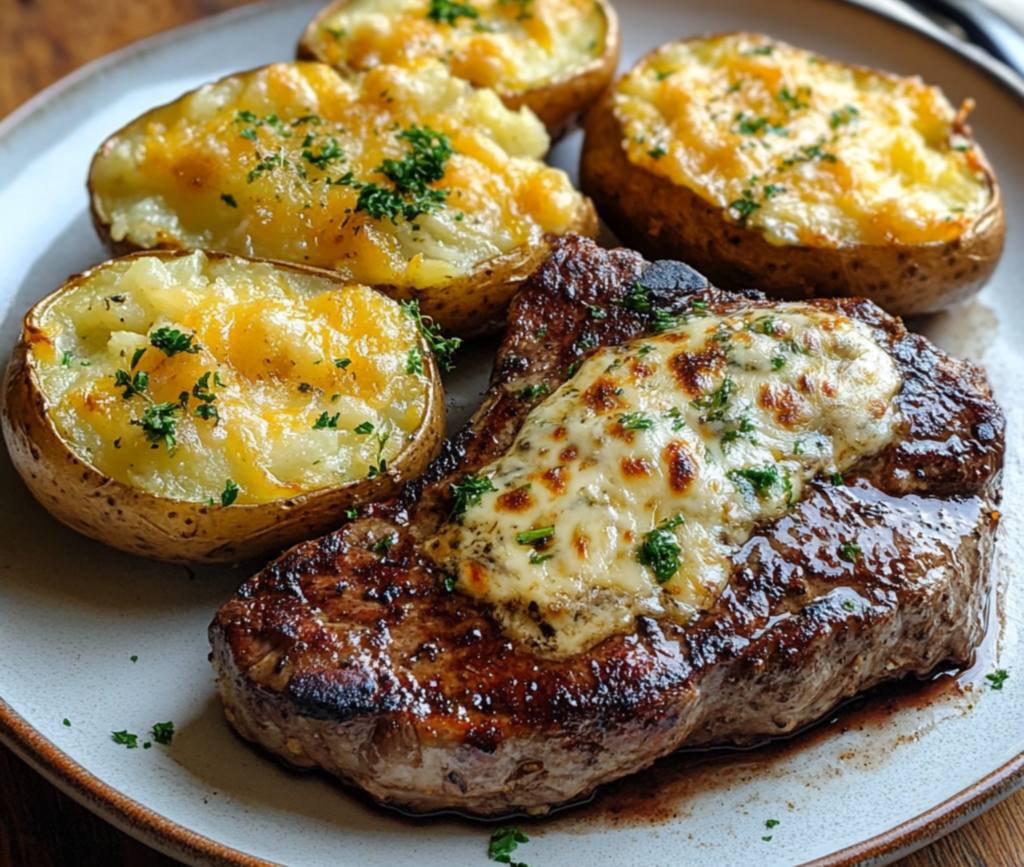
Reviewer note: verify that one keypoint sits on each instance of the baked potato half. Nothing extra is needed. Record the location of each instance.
(404, 179)
(555, 57)
(764, 165)
(200, 407)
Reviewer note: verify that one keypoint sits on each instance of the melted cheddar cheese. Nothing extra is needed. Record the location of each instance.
(507, 45)
(178, 375)
(630, 489)
(295, 162)
(805, 150)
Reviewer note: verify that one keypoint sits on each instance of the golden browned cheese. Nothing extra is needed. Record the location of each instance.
(507, 45)
(808, 151)
(179, 375)
(397, 177)
(628, 492)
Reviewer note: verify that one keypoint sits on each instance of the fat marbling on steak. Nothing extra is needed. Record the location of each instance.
(364, 662)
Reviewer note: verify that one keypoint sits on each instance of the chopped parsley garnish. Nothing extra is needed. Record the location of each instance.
(714, 404)
(163, 733)
(228, 200)
(541, 332)
(381, 545)
(597, 312)
(778, 362)
(365, 428)
(745, 429)
(305, 387)
(635, 421)
(442, 348)
(536, 559)
(638, 300)
(134, 658)
(997, 679)
(137, 356)
(326, 421)
(657, 153)
(756, 480)
(170, 341)
(66, 359)
(792, 101)
(414, 365)
(843, 116)
(764, 50)
(125, 739)
(228, 495)
(850, 552)
(744, 207)
(662, 74)
(351, 514)
(532, 392)
(572, 368)
(328, 152)
(660, 550)
(504, 841)
(532, 537)
(449, 583)
(271, 120)
(201, 390)
(645, 349)
(837, 479)
(448, 11)
(132, 385)
(773, 190)
(411, 176)
(753, 125)
(771, 823)
(810, 153)
(381, 467)
(67, 722)
(849, 605)
(158, 423)
(468, 493)
(342, 362)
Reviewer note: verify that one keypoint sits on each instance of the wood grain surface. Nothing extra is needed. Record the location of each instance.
(41, 41)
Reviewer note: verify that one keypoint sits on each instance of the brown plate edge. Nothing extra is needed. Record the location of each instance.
(177, 841)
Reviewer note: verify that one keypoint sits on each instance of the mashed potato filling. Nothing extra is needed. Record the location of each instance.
(628, 492)
(396, 177)
(507, 45)
(808, 151)
(205, 379)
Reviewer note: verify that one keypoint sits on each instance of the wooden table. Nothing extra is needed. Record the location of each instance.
(40, 41)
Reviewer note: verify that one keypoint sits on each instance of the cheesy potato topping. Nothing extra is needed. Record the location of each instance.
(507, 45)
(228, 381)
(808, 151)
(629, 490)
(397, 177)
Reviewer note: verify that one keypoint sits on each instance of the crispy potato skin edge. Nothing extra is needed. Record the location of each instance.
(559, 103)
(142, 523)
(665, 221)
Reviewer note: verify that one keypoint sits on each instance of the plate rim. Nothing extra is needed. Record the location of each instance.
(178, 841)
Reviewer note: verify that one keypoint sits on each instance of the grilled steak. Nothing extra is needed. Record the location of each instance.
(353, 654)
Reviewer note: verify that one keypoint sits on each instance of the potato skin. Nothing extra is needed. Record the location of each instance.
(665, 221)
(179, 531)
(559, 103)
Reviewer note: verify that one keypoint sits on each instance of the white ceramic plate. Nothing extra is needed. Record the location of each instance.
(73, 613)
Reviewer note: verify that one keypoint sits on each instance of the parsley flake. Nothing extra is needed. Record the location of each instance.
(158, 423)
(125, 739)
(442, 348)
(229, 494)
(504, 841)
(448, 11)
(997, 679)
(660, 550)
(850, 552)
(325, 421)
(468, 493)
(538, 534)
(163, 733)
(170, 341)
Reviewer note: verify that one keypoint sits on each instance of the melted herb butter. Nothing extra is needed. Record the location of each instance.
(627, 492)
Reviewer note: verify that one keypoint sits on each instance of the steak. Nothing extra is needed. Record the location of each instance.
(355, 655)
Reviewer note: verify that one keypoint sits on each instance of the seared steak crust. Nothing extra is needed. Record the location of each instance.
(363, 663)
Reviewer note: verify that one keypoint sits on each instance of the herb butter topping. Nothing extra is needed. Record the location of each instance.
(628, 490)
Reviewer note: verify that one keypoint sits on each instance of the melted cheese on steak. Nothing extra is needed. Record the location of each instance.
(627, 492)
